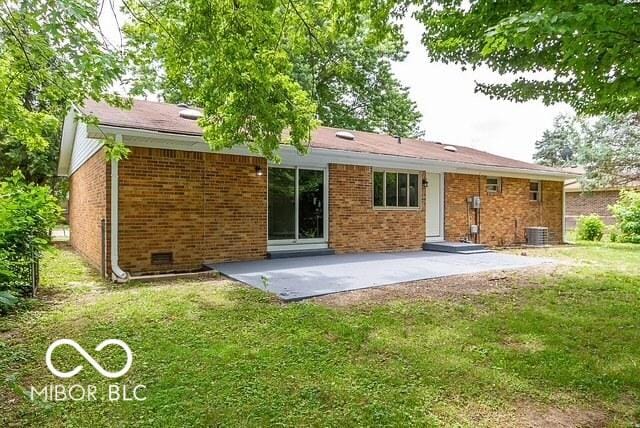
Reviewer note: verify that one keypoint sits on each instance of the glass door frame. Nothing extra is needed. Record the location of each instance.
(325, 207)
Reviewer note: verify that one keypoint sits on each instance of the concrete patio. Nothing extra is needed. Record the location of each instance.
(304, 277)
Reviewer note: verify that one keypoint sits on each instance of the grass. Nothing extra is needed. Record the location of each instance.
(214, 353)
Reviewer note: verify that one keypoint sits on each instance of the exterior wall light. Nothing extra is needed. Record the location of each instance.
(259, 171)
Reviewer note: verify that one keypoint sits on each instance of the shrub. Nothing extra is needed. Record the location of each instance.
(27, 214)
(627, 214)
(590, 228)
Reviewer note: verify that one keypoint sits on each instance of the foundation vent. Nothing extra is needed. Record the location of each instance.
(162, 258)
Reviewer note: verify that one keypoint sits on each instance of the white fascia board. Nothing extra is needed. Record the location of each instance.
(323, 157)
(66, 145)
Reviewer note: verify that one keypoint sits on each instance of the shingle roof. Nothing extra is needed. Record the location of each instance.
(165, 118)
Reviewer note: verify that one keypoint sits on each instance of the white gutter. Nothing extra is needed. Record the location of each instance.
(117, 274)
(145, 138)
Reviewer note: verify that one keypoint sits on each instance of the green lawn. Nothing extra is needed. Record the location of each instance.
(214, 353)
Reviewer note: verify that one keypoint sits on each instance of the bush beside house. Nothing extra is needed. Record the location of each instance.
(627, 214)
(27, 214)
(590, 228)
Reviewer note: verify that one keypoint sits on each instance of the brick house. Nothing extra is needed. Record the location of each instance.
(174, 205)
(597, 201)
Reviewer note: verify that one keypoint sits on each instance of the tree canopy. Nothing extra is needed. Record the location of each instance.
(259, 68)
(51, 56)
(590, 49)
(608, 148)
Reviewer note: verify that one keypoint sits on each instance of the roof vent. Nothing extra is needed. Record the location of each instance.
(190, 114)
(450, 148)
(345, 135)
(183, 105)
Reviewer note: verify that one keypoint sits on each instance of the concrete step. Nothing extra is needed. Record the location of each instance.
(453, 247)
(282, 254)
(474, 251)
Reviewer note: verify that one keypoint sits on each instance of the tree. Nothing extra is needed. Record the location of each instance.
(52, 55)
(589, 48)
(608, 148)
(259, 68)
(557, 145)
(351, 80)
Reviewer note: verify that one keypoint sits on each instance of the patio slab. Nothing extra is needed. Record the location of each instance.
(304, 277)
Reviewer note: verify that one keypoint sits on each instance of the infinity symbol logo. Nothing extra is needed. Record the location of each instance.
(94, 363)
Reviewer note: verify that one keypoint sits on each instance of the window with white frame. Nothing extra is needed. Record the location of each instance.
(534, 191)
(494, 184)
(395, 189)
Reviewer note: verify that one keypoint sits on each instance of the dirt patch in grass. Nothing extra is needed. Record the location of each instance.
(447, 288)
(527, 415)
(535, 415)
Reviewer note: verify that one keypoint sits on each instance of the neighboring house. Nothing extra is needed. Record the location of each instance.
(596, 201)
(173, 205)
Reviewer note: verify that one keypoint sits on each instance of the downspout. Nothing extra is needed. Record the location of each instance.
(564, 214)
(117, 274)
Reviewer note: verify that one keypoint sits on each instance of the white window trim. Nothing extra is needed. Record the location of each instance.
(498, 184)
(384, 189)
(537, 192)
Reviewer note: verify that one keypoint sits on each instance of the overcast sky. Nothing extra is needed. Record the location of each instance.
(452, 112)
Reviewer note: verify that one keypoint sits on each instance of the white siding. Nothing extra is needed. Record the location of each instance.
(83, 147)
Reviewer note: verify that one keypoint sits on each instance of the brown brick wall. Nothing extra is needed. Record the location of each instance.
(213, 208)
(578, 204)
(199, 206)
(503, 216)
(88, 205)
(354, 225)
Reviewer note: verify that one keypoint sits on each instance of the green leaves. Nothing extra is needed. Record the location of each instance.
(590, 48)
(228, 60)
(627, 214)
(27, 214)
(7, 299)
(269, 72)
(608, 148)
(52, 55)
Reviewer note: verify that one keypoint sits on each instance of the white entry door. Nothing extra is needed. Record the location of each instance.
(435, 207)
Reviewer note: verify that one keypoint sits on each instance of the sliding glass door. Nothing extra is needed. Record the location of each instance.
(282, 203)
(296, 205)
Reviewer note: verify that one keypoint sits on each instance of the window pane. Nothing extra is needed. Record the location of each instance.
(402, 190)
(282, 203)
(493, 184)
(533, 186)
(392, 189)
(413, 190)
(378, 189)
(310, 203)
